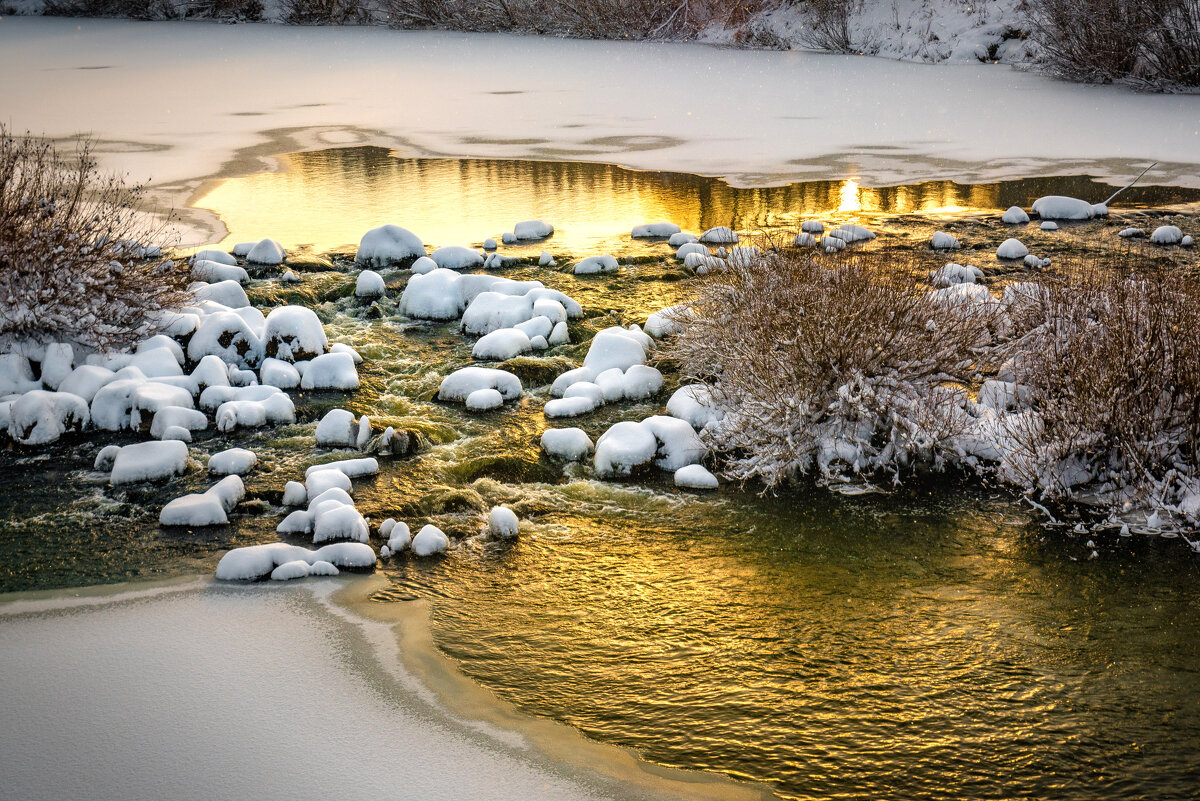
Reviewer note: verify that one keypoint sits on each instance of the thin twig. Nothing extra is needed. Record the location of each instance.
(1131, 183)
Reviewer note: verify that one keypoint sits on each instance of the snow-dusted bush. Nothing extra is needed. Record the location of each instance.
(1111, 365)
(827, 369)
(67, 269)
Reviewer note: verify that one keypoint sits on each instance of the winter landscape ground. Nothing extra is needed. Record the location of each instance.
(715, 421)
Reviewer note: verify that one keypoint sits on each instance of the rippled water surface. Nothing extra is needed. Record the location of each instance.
(930, 643)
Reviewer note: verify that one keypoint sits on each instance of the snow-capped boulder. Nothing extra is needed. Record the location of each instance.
(482, 400)
(58, 362)
(489, 244)
(1012, 249)
(491, 311)
(691, 247)
(943, 241)
(176, 432)
(194, 511)
(1058, 207)
(1131, 233)
(833, 244)
(955, 274)
(565, 380)
(665, 322)
(559, 336)
(681, 238)
(432, 296)
(149, 397)
(852, 233)
(387, 245)
(430, 540)
(40, 417)
(570, 444)
(678, 444)
(461, 383)
(1166, 235)
(353, 468)
(616, 347)
(693, 404)
(654, 230)
(288, 571)
(16, 375)
(456, 257)
(212, 272)
(232, 462)
(640, 382)
(503, 523)
(330, 371)
(177, 416)
(532, 229)
(694, 476)
(720, 235)
(804, 240)
(1015, 216)
(227, 336)
(369, 284)
(276, 373)
(597, 264)
(623, 447)
(339, 521)
(219, 256)
(812, 227)
(294, 333)
(538, 326)
(1049, 225)
(502, 344)
(257, 562)
(226, 293)
(569, 407)
(267, 252)
(149, 461)
(319, 481)
(336, 429)
(85, 381)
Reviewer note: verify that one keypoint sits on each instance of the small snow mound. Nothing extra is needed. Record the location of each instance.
(1015, 216)
(502, 344)
(955, 274)
(1012, 249)
(693, 404)
(691, 247)
(289, 277)
(456, 257)
(267, 252)
(461, 383)
(430, 540)
(211, 272)
(653, 230)
(149, 461)
(694, 476)
(387, 245)
(295, 569)
(39, 417)
(489, 244)
(194, 511)
(1166, 235)
(804, 240)
(1058, 207)
(482, 400)
(623, 447)
(597, 264)
(569, 407)
(546, 260)
(503, 523)
(234, 461)
(943, 241)
(330, 371)
(369, 285)
(571, 444)
(1049, 225)
(833, 243)
(852, 233)
(720, 235)
(1131, 233)
(294, 333)
(532, 229)
(681, 238)
(812, 227)
(616, 347)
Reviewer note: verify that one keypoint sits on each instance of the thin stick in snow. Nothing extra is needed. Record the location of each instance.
(1131, 183)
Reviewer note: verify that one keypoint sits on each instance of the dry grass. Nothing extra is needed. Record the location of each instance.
(811, 354)
(68, 267)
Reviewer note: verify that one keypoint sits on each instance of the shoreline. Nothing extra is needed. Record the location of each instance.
(386, 646)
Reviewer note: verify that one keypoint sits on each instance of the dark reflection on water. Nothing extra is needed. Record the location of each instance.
(328, 199)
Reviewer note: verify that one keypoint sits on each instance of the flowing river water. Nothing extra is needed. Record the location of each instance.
(931, 642)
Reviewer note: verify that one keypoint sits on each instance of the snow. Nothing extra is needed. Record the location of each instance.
(212, 272)
(489, 244)
(339, 522)
(150, 396)
(212, 397)
(336, 429)
(156, 342)
(387, 245)
(678, 444)
(641, 382)
(194, 511)
(532, 229)
(616, 347)
(1015, 216)
(501, 344)
(943, 241)
(852, 233)
(290, 570)
(539, 326)
(559, 336)
(1187, 241)
(1012, 249)
(232, 461)
(812, 227)
(432, 296)
(258, 561)
(571, 444)
(294, 333)
(611, 383)
(40, 417)
(955, 274)
(694, 476)
(289, 277)
(490, 311)
(1129, 233)
(57, 363)
(294, 494)
(456, 257)
(461, 383)
(267, 252)
(681, 238)
(177, 417)
(585, 389)
(546, 260)
(326, 478)
(1166, 235)
(227, 293)
(330, 371)
(654, 230)
(156, 363)
(664, 323)
(354, 468)
(502, 523)
(693, 404)
(569, 407)
(482, 400)
(703, 264)
(623, 447)
(16, 374)
(149, 461)
(218, 256)
(369, 285)
(244, 348)
(720, 235)
(430, 540)
(1049, 225)
(691, 247)
(399, 537)
(85, 381)
(597, 264)
(833, 244)
(804, 240)
(1058, 207)
(276, 373)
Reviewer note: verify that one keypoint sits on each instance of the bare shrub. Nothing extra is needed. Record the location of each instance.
(1111, 361)
(830, 28)
(829, 367)
(70, 265)
(1151, 41)
(131, 9)
(612, 19)
(324, 12)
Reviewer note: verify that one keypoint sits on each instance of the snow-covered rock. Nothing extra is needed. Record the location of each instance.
(398, 535)
(597, 264)
(943, 241)
(40, 417)
(569, 407)
(532, 229)
(219, 256)
(852, 233)
(337, 429)
(456, 257)
(623, 447)
(276, 373)
(267, 252)
(1049, 225)
(1012, 249)
(232, 462)
(226, 293)
(430, 540)
(84, 381)
(291, 570)
(693, 404)
(546, 259)
(1015, 216)
(149, 461)
(503, 523)
(1131, 233)
(653, 230)
(833, 244)
(720, 235)
(641, 382)
(294, 333)
(387, 245)
(57, 363)
(665, 322)
(194, 511)
(565, 380)
(482, 400)
(489, 244)
(616, 347)
(1166, 235)
(149, 397)
(352, 468)
(812, 227)
(804, 240)
(491, 311)
(318, 482)
(432, 296)
(212, 272)
(571, 444)
(369, 284)
(502, 344)
(678, 444)
(256, 562)
(681, 238)
(177, 416)
(422, 265)
(461, 383)
(330, 371)
(955, 274)
(229, 337)
(694, 476)
(338, 521)
(1058, 207)
(560, 335)
(691, 247)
